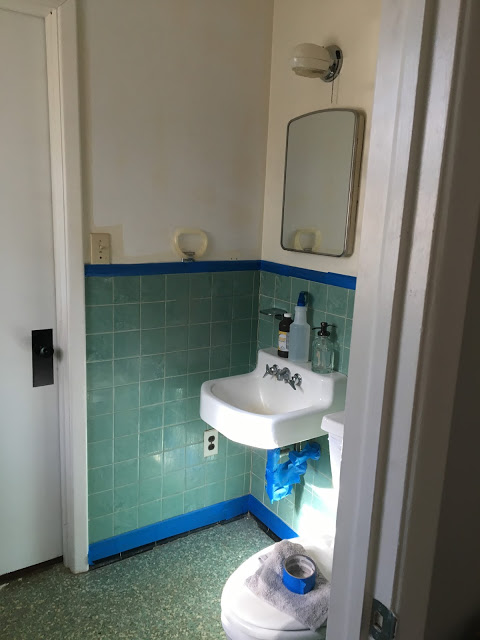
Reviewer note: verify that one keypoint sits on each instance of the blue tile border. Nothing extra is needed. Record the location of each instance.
(270, 519)
(335, 279)
(189, 522)
(158, 268)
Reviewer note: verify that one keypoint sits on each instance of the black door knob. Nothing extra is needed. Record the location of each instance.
(45, 352)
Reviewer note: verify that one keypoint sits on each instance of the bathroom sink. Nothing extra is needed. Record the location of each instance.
(267, 413)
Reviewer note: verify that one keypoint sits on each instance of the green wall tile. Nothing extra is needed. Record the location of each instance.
(153, 341)
(177, 312)
(152, 288)
(222, 284)
(172, 506)
(126, 422)
(350, 303)
(220, 357)
(100, 453)
(125, 448)
(173, 483)
(242, 307)
(178, 286)
(174, 437)
(214, 493)
(221, 333)
(125, 497)
(174, 460)
(125, 472)
(176, 363)
(126, 289)
(151, 417)
(222, 309)
(126, 397)
(100, 428)
(126, 344)
(243, 283)
(215, 470)
(283, 287)
(267, 283)
(150, 489)
(126, 317)
(99, 347)
(194, 499)
(195, 381)
(234, 487)
(151, 392)
(201, 285)
(99, 375)
(100, 479)
(100, 528)
(195, 477)
(200, 310)
(126, 371)
(125, 520)
(153, 315)
(100, 504)
(318, 295)
(98, 291)
(236, 465)
(194, 454)
(152, 367)
(151, 442)
(176, 388)
(149, 513)
(99, 401)
(151, 466)
(194, 431)
(198, 336)
(99, 319)
(176, 338)
(242, 330)
(175, 412)
(198, 360)
(337, 301)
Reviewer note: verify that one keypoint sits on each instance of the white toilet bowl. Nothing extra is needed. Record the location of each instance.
(246, 617)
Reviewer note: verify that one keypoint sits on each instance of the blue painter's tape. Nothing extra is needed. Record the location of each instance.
(270, 519)
(335, 279)
(299, 573)
(167, 528)
(159, 268)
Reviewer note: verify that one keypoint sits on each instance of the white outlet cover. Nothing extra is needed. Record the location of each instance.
(210, 433)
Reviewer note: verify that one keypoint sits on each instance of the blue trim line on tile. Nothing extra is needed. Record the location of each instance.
(335, 279)
(167, 528)
(270, 519)
(158, 268)
(188, 522)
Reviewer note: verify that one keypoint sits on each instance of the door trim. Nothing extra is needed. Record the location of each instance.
(62, 78)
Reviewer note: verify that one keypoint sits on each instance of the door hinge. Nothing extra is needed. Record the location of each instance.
(383, 622)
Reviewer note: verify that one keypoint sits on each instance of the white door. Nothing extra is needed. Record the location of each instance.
(30, 494)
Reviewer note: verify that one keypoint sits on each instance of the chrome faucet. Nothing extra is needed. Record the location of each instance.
(285, 375)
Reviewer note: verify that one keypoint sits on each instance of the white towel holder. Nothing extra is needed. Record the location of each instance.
(189, 255)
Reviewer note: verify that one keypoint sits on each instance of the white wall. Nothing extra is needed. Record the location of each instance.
(174, 114)
(354, 26)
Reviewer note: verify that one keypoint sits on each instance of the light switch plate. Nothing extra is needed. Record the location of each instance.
(100, 248)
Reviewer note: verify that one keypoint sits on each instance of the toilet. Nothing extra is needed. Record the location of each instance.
(245, 616)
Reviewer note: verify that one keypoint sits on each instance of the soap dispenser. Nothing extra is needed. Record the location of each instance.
(322, 350)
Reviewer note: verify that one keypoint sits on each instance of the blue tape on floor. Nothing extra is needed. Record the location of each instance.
(167, 528)
(269, 519)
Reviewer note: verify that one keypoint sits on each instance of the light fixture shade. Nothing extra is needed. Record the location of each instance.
(313, 61)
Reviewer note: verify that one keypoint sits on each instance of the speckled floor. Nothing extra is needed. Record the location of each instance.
(171, 592)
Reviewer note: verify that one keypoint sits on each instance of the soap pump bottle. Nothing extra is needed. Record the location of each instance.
(300, 332)
(322, 351)
(283, 335)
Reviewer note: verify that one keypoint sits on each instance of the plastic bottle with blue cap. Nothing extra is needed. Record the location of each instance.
(300, 331)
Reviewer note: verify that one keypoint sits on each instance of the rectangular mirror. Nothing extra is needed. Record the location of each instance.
(322, 169)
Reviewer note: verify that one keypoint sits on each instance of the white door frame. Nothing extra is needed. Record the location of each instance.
(62, 76)
(398, 396)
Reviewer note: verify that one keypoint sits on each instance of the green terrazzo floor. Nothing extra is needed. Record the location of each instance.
(171, 592)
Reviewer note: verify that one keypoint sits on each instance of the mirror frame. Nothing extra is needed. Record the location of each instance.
(353, 187)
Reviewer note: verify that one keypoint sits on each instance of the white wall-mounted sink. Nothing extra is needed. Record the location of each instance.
(267, 413)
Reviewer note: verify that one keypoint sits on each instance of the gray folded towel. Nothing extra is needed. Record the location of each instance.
(311, 609)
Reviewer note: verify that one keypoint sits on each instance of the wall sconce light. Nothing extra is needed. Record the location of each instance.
(314, 61)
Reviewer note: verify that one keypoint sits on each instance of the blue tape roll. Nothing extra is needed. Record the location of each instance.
(299, 573)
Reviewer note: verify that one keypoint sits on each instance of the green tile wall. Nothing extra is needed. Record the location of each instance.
(151, 342)
(313, 501)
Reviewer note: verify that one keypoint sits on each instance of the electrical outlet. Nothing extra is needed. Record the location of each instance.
(210, 442)
(100, 245)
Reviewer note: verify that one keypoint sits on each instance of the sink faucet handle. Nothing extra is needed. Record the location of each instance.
(283, 374)
(267, 370)
(297, 380)
(274, 370)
